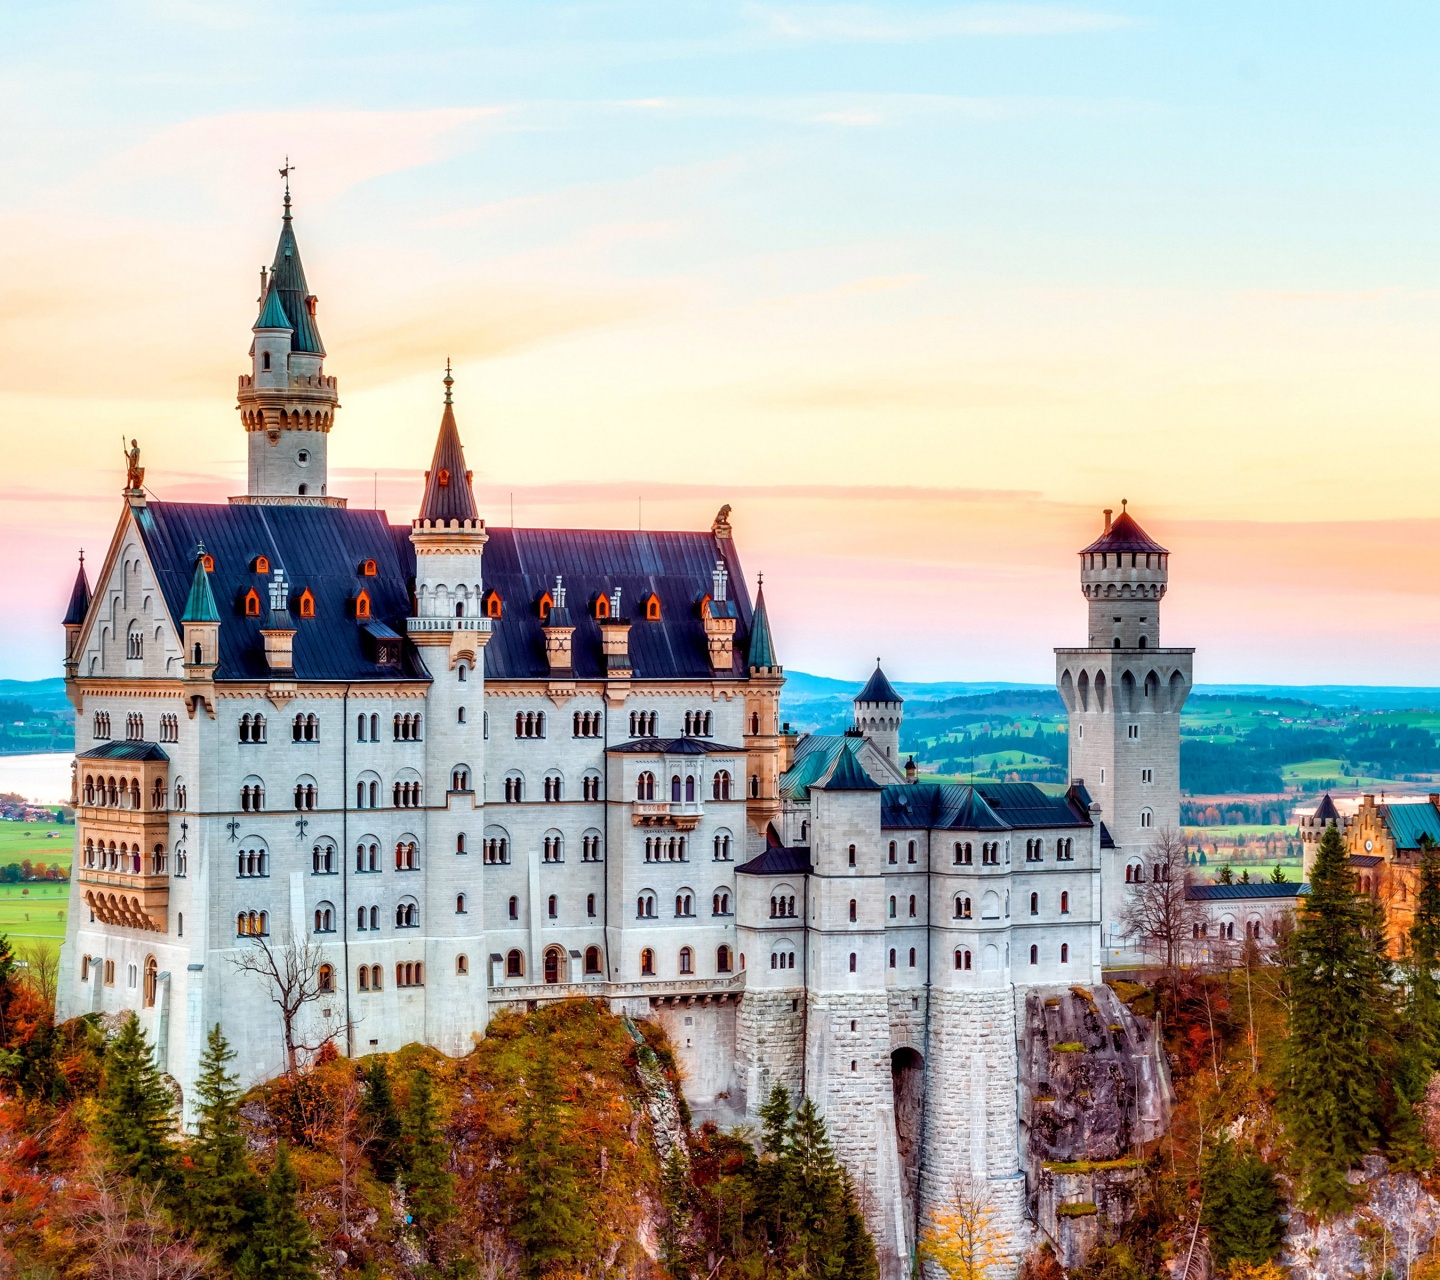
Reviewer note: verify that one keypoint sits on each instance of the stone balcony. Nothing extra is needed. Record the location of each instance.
(682, 815)
(130, 900)
(448, 626)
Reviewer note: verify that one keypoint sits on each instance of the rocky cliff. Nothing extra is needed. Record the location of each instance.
(1094, 1089)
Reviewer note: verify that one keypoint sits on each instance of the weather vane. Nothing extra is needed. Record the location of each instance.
(285, 173)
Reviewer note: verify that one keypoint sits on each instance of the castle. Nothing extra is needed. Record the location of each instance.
(433, 770)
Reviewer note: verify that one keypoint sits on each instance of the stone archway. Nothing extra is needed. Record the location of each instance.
(907, 1078)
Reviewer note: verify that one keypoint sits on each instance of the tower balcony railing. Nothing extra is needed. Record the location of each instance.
(448, 626)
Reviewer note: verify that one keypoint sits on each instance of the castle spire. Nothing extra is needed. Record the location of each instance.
(79, 598)
(200, 605)
(762, 645)
(448, 495)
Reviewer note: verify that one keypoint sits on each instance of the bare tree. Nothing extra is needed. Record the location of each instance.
(127, 1235)
(291, 974)
(1157, 910)
(42, 971)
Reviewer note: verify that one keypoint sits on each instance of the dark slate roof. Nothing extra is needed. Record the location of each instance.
(995, 806)
(124, 751)
(762, 647)
(448, 495)
(777, 861)
(79, 597)
(1079, 795)
(1107, 841)
(1125, 534)
(1262, 889)
(321, 548)
(521, 564)
(878, 688)
(1365, 860)
(1326, 811)
(200, 603)
(673, 747)
(289, 286)
(847, 775)
(1408, 822)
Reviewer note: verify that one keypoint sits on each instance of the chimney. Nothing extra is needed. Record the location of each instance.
(1108, 512)
(559, 631)
(615, 639)
(278, 634)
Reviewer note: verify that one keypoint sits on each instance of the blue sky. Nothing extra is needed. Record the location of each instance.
(1025, 258)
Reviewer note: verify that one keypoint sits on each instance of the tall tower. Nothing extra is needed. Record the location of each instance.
(878, 712)
(1124, 693)
(287, 403)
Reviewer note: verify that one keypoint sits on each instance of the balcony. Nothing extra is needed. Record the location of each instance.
(126, 899)
(683, 816)
(447, 626)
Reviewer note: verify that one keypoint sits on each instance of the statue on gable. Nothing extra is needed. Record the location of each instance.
(134, 472)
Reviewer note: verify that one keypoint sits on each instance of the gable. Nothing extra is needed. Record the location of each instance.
(128, 602)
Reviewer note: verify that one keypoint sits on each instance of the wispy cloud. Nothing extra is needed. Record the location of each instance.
(856, 22)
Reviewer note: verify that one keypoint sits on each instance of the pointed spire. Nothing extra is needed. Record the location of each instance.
(848, 775)
(79, 597)
(287, 281)
(878, 688)
(272, 312)
(448, 495)
(200, 606)
(762, 646)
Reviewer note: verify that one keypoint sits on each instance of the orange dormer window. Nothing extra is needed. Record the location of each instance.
(252, 603)
(494, 608)
(307, 604)
(652, 608)
(367, 568)
(443, 476)
(261, 565)
(362, 605)
(602, 606)
(547, 602)
(209, 562)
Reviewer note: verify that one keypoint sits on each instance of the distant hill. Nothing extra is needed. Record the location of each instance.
(39, 695)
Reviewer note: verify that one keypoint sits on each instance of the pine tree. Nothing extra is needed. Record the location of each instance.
(775, 1120)
(429, 1185)
(224, 1200)
(857, 1246)
(1242, 1206)
(1225, 875)
(379, 1116)
(1337, 970)
(283, 1248)
(1277, 875)
(813, 1191)
(135, 1109)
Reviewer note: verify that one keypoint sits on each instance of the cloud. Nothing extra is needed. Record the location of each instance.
(861, 23)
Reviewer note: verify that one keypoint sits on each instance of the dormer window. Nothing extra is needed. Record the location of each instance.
(652, 608)
(209, 562)
(367, 568)
(443, 477)
(261, 564)
(547, 602)
(307, 604)
(494, 608)
(362, 605)
(602, 606)
(252, 603)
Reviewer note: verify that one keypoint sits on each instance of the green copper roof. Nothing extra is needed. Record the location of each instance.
(200, 606)
(1410, 823)
(287, 279)
(849, 776)
(762, 647)
(272, 313)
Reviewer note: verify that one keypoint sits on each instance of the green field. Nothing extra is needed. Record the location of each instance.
(33, 915)
(47, 842)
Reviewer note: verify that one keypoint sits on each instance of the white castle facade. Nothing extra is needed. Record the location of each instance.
(459, 768)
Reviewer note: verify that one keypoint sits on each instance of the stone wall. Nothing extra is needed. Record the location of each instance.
(769, 1040)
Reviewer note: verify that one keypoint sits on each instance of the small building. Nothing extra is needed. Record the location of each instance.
(1263, 911)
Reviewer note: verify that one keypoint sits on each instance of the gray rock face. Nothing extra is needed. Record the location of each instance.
(1094, 1089)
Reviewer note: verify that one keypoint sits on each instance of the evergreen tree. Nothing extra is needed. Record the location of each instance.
(813, 1190)
(224, 1200)
(1225, 875)
(1242, 1206)
(1245, 876)
(775, 1120)
(1277, 875)
(283, 1248)
(379, 1116)
(135, 1109)
(1337, 969)
(857, 1246)
(429, 1185)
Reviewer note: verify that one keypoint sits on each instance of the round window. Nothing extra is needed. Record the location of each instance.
(303, 457)
(1369, 844)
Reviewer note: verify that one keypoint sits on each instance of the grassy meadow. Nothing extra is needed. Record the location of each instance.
(33, 914)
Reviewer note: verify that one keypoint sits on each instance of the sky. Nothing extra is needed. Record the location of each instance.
(918, 288)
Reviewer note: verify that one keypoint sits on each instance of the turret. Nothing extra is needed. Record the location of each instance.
(878, 712)
(75, 618)
(287, 403)
(449, 540)
(201, 623)
(1123, 575)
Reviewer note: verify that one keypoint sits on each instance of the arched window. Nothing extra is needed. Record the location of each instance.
(324, 918)
(592, 960)
(514, 964)
(1034, 904)
(853, 911)
(459, 904)
(652, 608)
(1064, 904)
(720, 785)
(152, 981)
(462, 965)
(687, 960)
(460, 779)
(1147, 817)
(323, 860)
(514, 907)
(852, 855)
(554, 965)
(893, 856)
(362, 605)
(645, 906)
(407, 914)
(494, 606)
(326, 978)
(647, 963)
(1034, 955)
(675, 789)
(307, 603)
(645, 786)
(892, 906)
(892, 957)
(853, 961)
(252, 603)
(689, 789)
(552, 906)
(1064, 953)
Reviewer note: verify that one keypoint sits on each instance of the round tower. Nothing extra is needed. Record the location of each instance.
(878, 712)
(287, 403)
(1123, 574)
